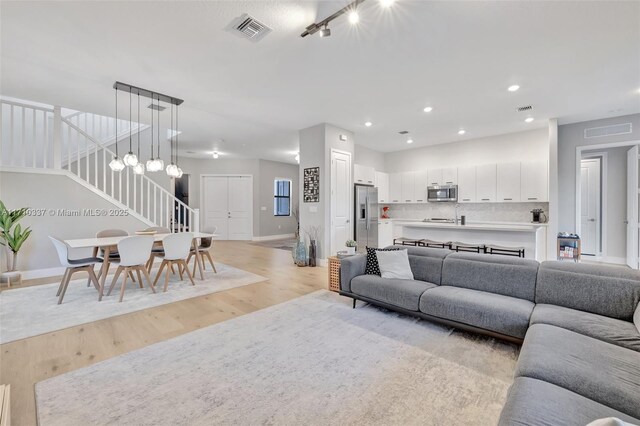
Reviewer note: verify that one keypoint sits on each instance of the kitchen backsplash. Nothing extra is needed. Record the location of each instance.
(490, 212)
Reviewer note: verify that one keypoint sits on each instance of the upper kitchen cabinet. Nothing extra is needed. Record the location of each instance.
(363, 175)
(408, 187)
(395, 188)
(508, 183)
(486, 183)
(534, 182)
(382, 182)
(467, 185)
(420, 186)
(448, 176)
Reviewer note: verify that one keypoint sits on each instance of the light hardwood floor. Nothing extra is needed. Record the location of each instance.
(25, 362)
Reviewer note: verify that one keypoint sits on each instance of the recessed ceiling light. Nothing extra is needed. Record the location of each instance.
(528, 119)
(513, 88)
(215, 154)
(354, 18)
(368, 123)
(409, 140)
(386, 3)
(428, 109)
(462, 132)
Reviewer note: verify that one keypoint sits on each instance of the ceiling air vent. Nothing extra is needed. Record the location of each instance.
(249, 27)
(615, 129)
(403, 132)
(525, 108)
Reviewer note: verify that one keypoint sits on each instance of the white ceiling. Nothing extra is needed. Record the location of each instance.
(573, 60)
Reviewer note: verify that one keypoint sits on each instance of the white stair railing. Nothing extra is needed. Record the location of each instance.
(29, 141)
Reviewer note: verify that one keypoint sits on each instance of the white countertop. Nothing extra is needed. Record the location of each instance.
(489, 226)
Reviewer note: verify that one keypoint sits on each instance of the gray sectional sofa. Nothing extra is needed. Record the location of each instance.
(580, 356)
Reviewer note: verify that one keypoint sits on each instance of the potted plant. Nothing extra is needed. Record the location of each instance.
(12, 236)
(351, 246)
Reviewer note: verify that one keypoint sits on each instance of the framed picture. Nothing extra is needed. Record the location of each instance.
(311, 193)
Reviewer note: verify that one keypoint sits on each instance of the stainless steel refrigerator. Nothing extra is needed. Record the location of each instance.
(366, 220)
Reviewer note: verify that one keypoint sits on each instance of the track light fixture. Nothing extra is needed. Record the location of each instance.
(325, 32)
(321, 26)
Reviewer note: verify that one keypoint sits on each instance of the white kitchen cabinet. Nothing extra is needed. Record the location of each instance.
(486, 183)
(508, 183)
(385, 233)
(382, 183)
(420, 186)
(434, 177)
(446, 176)
(450, 176)
(534, 181)
(395, 188)
(467, 185)
(363, 174)
(408, 187)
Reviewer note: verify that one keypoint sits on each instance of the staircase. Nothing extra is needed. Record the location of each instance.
(40, 138)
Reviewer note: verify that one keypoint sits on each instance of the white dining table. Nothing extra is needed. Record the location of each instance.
(107, 243)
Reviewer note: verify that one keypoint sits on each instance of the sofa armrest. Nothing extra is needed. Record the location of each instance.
(351, 267)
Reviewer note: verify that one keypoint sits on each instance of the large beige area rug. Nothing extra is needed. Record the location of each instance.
(30, 311)
(309, 361)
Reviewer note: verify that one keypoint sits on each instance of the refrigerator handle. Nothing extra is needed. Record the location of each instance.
(367, 211)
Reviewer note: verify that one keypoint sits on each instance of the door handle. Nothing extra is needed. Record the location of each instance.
(626, 222)
(591, 220)
(346, 221)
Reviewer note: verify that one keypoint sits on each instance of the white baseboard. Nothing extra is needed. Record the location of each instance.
(273, 237)
(605, 259)
(42, 273)
(322, 262)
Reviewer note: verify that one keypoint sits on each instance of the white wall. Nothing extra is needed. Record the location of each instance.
(369, 157)
(531, 145)
(571, 136)
(45, 191)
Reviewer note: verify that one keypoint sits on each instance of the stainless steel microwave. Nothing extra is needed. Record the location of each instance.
(442, 193)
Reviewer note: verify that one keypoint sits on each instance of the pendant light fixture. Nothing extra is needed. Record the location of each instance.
(151, 161)
(180, 173)
(159, 162)
(116, 164)
(130, 159)
(138, 168)
(172, 169)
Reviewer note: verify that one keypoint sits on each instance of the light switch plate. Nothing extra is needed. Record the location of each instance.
(313, 209)
(263, 208)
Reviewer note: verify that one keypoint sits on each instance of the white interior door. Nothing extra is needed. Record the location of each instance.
(632, 207)
(590, 206)
(341, 190)
(215, 190)
(240, 207)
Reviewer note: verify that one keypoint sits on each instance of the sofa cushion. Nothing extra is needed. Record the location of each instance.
(612, 291)
(502, 314)
(509, 276)
(611, 330)
(535, 402)
(426, 263)
(394, 264)
(402, 293)
(597, 370)
(636, 317)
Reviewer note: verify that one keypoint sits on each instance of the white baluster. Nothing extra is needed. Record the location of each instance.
(33, 138)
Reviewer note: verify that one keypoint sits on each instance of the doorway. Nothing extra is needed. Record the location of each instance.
(227, 206)
(181, 192)
(591, 204)
(341, 201)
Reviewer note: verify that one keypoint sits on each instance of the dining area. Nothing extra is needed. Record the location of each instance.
(183, 255)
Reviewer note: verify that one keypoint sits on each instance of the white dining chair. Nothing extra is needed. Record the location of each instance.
(176, 249)
(113, 252)
(134, 253)
(74, 265)
(157, 247)
(203, 251)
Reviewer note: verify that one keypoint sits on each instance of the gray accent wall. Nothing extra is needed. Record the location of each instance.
(570, 136)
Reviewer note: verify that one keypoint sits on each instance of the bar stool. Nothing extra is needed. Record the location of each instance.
(406, 241)
(434, 244)
(505, 251)
(466, 247)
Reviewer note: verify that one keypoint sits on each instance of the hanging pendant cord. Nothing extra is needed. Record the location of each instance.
(139, 126)
(177, 133)
(116, 123)
(171, 138)
(158, 128)
(152, 128)
(130, 148)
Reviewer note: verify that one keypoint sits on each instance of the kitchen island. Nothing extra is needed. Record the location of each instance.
(531, 236)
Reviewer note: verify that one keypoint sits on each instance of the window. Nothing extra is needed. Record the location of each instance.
(282, 197)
